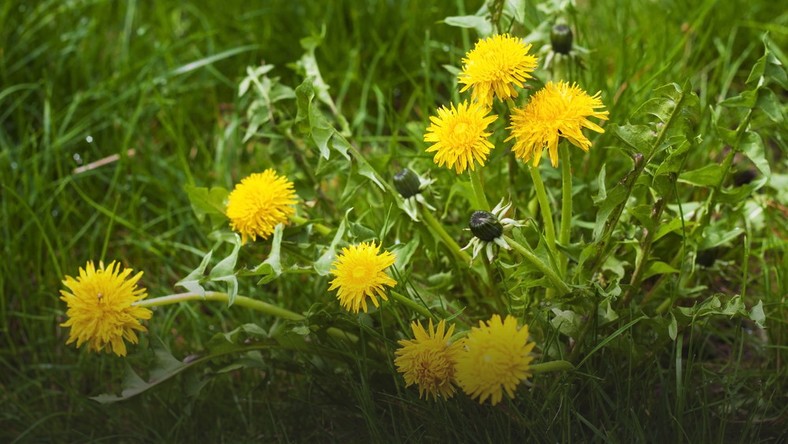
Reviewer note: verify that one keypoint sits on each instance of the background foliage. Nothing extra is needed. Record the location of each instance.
(156, 83)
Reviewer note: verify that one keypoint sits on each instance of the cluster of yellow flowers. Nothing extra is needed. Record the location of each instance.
(493, 69)
(492, 358)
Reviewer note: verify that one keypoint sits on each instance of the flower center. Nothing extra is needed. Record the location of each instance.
(359, 272)
(460, 128)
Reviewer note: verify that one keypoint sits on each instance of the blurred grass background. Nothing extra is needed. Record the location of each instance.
(155, 83)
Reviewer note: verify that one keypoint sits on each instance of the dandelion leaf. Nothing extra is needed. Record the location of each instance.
(193, 282)
(208, 202)
(166, 367)
(323, 265)
(271, 268)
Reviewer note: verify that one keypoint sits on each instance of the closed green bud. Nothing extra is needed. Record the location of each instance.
(407, 183)
(561, 39)
(485, 226)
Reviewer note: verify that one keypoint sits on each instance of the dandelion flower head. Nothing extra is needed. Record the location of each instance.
(100, 308)
(429, 360)
(259, 203)
(495, 66)
(495, 357)
(360, 274)
(459, 136)
(557, 110)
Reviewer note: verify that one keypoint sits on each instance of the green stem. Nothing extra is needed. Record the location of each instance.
(726, 166)
(566, 204)
(413, 305)
(478, 190)
(320, 228)
(664, 306)
(551, 366)
(438, 230)
(241, 301)
(645, 248)
(544, 206)
(559, 284)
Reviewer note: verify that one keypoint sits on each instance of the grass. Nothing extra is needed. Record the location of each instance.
(155, 83)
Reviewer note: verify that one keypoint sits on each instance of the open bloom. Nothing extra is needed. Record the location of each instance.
(429, 360)
(259, 203)
(495, 357)
(100, 308)
(360, 274)
(460, 136)
(495, 66)
(557, 110)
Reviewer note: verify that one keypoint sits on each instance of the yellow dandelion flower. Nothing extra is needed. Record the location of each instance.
(360, 273)
(557, 110)
(495, 357)
(259, 203)
(100, 307)
(429, 360)
(495, 66)
(459, 136)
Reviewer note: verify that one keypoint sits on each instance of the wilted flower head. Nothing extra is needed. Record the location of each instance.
(429, 360)
(495, 357)
(100, 308)
(460, 136)
(488, 229)
(495, 66)
(259, 203)
(360, 274)
(557, 110)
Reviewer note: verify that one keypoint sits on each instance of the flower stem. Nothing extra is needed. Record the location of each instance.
(566, 204)
(544, 206)
(320, 228)
(478, 190)
(241, 301)
(552, 366)
(559, 284)
(410, 303)
(438, 230)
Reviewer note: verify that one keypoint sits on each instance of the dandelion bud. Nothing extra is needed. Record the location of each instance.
(561, 38)
(407, 183)
(485, 226)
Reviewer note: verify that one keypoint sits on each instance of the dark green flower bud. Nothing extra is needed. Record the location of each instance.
(485, 226)
(407, 183)
(561, 38)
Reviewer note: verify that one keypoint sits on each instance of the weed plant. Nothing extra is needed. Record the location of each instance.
(641, 282)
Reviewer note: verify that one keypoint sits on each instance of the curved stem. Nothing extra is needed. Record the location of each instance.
(559, 284)
(566, 204)
(478, 190)
(438, 230)
(411, 304)
(551, 366)
(241, 301)
(320, 228)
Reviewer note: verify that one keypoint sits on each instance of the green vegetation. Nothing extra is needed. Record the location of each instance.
(122, 127)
